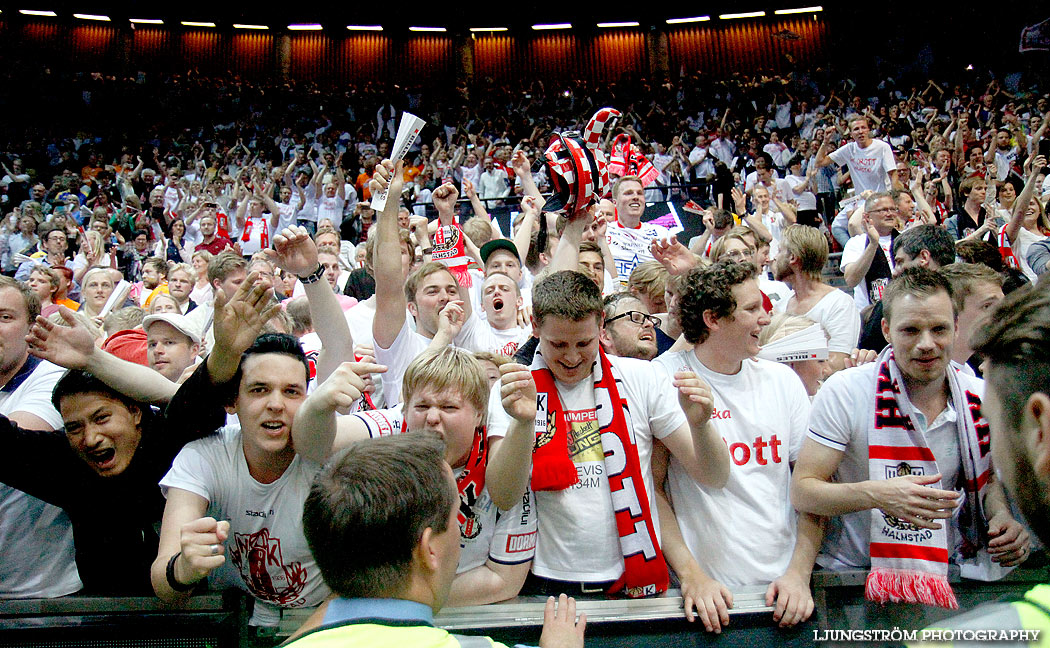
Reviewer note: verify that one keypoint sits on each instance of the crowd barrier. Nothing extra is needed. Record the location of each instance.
(217, 620)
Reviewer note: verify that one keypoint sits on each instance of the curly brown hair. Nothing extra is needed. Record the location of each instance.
(709, 289)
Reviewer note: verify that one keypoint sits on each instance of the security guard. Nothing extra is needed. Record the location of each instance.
(381, 522)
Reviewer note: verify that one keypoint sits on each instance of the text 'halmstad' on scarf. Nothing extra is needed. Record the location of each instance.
(909, 563)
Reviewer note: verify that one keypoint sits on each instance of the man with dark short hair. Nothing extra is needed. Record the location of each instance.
(1014, 343)
(923, 246)
(105, 468)
(891, 444)
(400, 489)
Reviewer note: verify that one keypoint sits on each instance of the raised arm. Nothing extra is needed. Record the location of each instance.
(823, 158)
(1024, 200)
(696, 444)
(316, 431)
(510, 458)
(295, 252)
(854, 272)
(390, 294)
(520, 164)
(530, 207)
(73, 347)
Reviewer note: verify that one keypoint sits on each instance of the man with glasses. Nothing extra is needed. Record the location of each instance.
(867, 258)
(54, 245)
(629, 330)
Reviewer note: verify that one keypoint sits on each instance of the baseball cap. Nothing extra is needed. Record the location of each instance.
(181, 323)
(498, 244)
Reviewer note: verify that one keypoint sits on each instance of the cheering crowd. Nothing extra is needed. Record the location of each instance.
(626, 406)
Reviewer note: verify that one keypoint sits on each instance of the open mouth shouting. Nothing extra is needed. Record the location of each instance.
(103, 459)
(274, 428)
(497, 304)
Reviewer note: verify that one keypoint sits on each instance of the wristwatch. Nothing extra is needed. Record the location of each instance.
(314, 276)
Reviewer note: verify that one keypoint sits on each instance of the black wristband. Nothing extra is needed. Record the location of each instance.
(169, 574)
(314, 276)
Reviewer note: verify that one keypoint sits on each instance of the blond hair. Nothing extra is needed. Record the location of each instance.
(809, 246)
(448, 369)
(650, 278)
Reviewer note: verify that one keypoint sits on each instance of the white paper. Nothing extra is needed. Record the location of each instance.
(116, 298)
(407, 132)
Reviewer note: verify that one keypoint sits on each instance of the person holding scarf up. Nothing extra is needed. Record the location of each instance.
(898, 458)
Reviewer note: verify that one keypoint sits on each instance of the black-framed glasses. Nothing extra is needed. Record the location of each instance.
(637, 317)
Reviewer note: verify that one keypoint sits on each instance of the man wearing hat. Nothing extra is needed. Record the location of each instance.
(501, 255)
(172, 344)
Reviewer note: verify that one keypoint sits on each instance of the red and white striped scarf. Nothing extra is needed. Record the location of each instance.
(910, 564)
(645, 570)
(626, 159)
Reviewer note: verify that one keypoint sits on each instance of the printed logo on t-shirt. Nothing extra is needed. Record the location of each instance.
(258, 558)
(521, 542)
(586, 440)
(760, 451)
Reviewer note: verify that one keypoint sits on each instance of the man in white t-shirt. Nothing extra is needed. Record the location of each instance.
(870, 161)
(234, 499)
(447, 393)
(499, 333)
(834, 478)
(588, 457)
(629, 237)
(745, 533)
(425, 293)
(800, 262)
(37, 538)
(867, 258)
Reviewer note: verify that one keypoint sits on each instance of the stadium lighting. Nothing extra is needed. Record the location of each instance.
(680, 21)
(427, 29)
(552, 26)
(365, 27)
(146, 21)
(619, 24)
(746, 14)
(243, 26)
(194, 23)
(785, 12)
(305, 27)
(91, 17)
(36, 12)
(488, 29)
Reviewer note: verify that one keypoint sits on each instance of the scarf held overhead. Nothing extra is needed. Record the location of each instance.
(908, 563)
(645, 571)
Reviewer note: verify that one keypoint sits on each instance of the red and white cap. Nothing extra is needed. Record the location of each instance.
(578, 167)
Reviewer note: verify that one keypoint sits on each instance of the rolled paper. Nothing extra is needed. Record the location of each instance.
(407, 133)
(808, 344)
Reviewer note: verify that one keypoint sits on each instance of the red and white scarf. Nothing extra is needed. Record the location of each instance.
(645, 571)
(264, 232)
(910, 564)
(627, 159)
